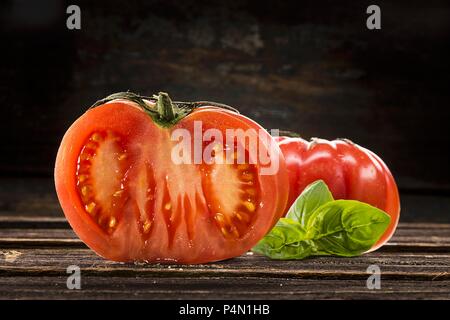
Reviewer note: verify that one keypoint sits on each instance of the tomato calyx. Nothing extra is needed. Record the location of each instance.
(290, 134)
(162, 109)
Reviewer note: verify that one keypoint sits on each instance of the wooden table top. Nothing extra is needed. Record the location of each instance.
(37, 245)
(35, 254)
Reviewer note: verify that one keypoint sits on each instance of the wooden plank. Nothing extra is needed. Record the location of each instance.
(138, 287)
(31, 232)
(31, 242)
(53, 262)
(30, 270)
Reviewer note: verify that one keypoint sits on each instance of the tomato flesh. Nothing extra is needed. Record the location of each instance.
(100, 179)
(128, 201)
(232, 196)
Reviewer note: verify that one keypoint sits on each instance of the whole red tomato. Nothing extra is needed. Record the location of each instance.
(349, 170)
(127, 199)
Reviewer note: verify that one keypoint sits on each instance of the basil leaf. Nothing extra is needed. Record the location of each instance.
(346, 227)
(341, 227)
(285, 241)
(314, 195)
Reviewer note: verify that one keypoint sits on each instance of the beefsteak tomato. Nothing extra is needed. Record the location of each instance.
(350, 171)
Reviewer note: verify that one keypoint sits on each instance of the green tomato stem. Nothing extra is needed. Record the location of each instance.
(165, 107)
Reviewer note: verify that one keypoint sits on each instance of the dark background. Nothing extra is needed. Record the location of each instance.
(307, 66)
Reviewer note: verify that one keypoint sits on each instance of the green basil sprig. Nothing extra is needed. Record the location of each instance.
(318, 225)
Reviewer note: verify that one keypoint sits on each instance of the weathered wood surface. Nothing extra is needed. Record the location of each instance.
(30, 231)
(37, 245)
(199, 287)
(401, 266)
(35, 252)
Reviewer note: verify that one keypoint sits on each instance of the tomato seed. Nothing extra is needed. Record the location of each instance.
(85, 191)
(224, 231)
(249, 206)
(247, 176)
(112, 222)
(146, 226)
(243, 166)
(90, 207)
(118, 193)
(97, 137)
(82, 177)
(219, 217)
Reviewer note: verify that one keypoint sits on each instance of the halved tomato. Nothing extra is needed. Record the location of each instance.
(128, 200)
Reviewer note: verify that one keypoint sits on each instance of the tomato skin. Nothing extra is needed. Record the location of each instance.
(349, 170)
(187, 233)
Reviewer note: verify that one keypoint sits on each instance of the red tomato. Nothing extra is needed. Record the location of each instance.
(349, 170)
(128, 201)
